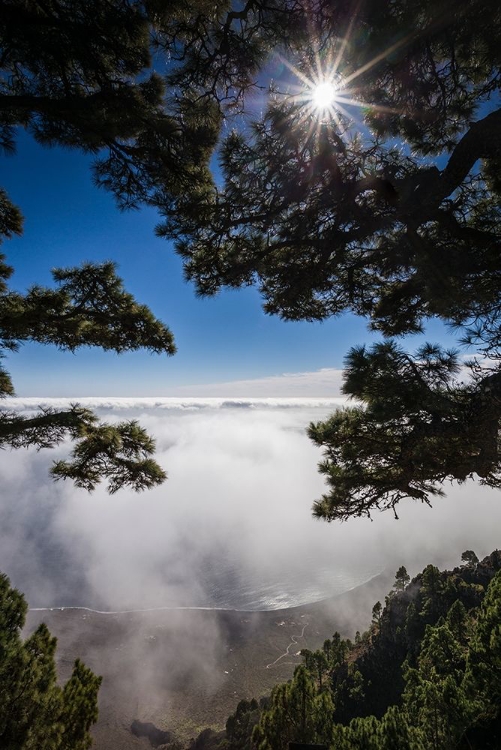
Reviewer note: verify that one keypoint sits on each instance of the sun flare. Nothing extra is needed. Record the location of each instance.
(324, 94)
(325, 91)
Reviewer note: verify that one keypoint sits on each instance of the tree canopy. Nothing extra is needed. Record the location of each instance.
(88, 308)
(143, 87)
(35, 712)
(424, 675)
(383, 201)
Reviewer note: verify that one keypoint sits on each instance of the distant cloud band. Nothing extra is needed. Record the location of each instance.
(184, 404)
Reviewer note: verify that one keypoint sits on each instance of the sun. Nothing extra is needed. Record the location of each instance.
(325, 91)
(323, 95)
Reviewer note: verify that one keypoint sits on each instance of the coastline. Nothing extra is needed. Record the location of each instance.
(186, 669)
(62, 608)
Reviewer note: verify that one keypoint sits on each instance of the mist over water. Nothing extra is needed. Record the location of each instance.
(231, 528)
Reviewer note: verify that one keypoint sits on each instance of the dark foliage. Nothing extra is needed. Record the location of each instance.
(427, 674)
(386, 205)
(36, 712)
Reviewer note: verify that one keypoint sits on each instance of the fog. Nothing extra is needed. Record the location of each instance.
(231, 527)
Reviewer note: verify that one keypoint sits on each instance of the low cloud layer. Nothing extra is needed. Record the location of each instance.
(109, 404)
(231, 527)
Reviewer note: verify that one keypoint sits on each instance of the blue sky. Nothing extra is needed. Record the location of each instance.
(221, 341)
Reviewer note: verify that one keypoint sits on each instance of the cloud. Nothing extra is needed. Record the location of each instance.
(177, 403)
(231, 527)
(325, 383)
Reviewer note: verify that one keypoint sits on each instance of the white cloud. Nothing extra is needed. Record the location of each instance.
(324, 383)
(231, 527)
(177, 403)
(321, 389)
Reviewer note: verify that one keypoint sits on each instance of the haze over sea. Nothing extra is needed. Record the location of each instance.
(232, 526)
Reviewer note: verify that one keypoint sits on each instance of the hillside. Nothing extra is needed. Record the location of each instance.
(425, 675)
(184, 670)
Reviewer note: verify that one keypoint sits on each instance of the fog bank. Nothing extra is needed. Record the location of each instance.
(231, 527)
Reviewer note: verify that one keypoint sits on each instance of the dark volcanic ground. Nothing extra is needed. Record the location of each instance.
(184, 670)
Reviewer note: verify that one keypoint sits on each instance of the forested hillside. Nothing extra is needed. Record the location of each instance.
(426, 674)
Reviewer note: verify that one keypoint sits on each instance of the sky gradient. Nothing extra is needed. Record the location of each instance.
(225, 342)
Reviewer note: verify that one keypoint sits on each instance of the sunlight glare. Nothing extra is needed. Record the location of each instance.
(324, 94)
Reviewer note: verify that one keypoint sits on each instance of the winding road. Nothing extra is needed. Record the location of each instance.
(291, 644)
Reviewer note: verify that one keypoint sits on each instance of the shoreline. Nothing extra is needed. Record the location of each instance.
(187, 669)
(63, 608)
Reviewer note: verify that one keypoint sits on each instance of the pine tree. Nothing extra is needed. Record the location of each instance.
(79, 707)
(377, 612)
(240, 725)
(483, 679)
(88, 308)
(432, 594)
(395, 218)
(435, 698)
(414, 431)
(297, 713)
(81, 74)
(339, 220)
(402, 579)
(363, 733)
(388, 207)
(469, 557)
(395, 732)
(35, 712)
